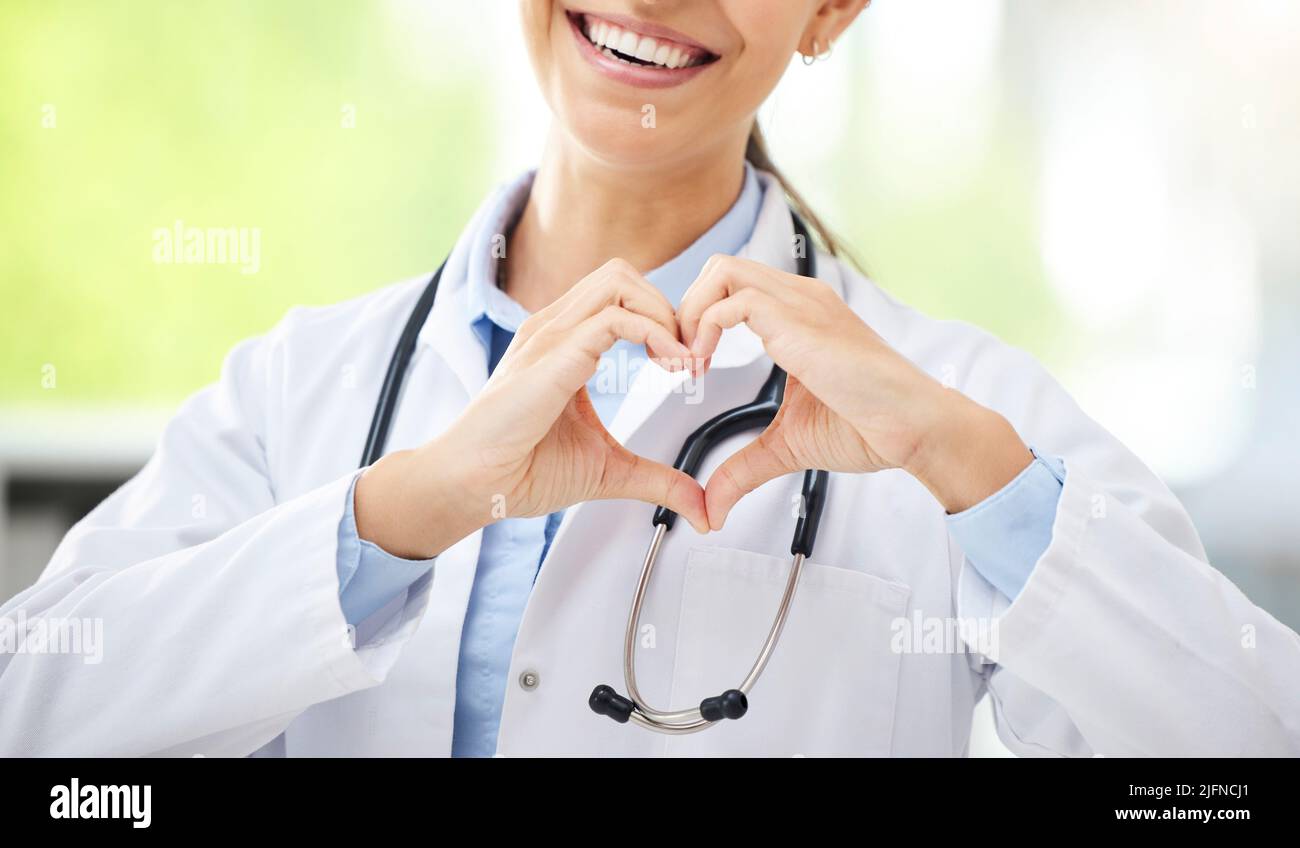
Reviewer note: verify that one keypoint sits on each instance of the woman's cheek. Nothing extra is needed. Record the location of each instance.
(535, 24)
(771, 28)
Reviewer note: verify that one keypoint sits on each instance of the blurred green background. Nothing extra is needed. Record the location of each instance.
(221, 113)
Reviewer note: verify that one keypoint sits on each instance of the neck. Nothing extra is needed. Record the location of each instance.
(583, 211)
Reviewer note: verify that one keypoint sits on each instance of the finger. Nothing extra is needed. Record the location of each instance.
(619, 285)
(637, 478)
(761, 460)
(724, 276)
(751, 307)
(616, 283)
(545, 316)
(575, 356)
(598, 333)
(612, 268)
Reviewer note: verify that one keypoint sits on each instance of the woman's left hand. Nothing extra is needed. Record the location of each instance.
(852, 403)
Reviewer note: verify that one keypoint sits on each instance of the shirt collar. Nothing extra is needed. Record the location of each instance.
(488, 305)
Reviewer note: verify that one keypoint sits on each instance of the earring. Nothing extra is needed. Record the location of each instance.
(809, 58)
(816, 54)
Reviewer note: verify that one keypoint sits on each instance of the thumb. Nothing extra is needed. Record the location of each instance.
(637, 478)
(743, 472)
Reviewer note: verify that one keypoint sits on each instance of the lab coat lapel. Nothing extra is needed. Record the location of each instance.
(447, 331)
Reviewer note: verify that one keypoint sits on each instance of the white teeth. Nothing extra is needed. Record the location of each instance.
(646, 49)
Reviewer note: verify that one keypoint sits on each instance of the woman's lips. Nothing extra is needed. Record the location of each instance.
(637, 53)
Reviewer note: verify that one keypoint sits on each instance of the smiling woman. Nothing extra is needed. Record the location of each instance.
(462, 591)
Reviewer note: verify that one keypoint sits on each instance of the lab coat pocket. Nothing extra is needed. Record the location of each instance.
(831, 684)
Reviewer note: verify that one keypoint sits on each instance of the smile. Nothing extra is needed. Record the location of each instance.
(638, 53)
(630, 47)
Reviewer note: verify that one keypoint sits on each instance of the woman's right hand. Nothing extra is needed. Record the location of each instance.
(530, 443)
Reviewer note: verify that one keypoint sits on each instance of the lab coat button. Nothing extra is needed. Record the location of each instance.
(529, 680)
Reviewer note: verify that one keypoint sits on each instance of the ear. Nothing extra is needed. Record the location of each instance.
(828, 24)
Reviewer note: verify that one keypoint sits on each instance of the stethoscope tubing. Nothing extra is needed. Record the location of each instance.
(391, 390)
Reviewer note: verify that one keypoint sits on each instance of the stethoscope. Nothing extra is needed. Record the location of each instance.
(605, 700)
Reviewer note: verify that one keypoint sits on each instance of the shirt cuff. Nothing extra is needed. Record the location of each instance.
(1004, 535)
(369, 576)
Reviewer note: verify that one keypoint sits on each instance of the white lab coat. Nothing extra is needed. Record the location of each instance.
(214, 573)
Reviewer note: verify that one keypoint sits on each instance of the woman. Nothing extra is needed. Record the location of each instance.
(465, 593)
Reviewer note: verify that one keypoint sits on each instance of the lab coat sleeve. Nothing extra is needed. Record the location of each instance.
(218, 603)
(1124, 640)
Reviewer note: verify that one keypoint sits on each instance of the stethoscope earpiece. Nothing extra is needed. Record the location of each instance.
(606, 701)
(730, 704)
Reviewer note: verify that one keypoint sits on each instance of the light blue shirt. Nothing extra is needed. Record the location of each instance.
(1003, 536)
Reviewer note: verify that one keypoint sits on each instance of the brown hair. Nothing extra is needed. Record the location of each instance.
(756, 154)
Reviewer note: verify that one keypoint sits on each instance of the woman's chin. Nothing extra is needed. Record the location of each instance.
(620, 140)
